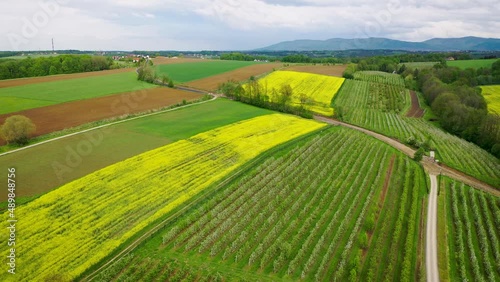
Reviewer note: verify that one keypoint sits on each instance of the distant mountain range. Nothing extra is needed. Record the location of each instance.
(373, 43)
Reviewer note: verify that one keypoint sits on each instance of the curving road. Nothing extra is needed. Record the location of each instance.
(429, 165)
(431, 257)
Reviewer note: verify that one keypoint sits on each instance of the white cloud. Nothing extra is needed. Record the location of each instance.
(120, 23)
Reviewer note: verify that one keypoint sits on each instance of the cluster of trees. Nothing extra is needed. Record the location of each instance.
(349, 71)
(471, 76)
(385, 64)
(255, 94)
(486, 76)
(146, 72)
(43, 66)
(4, 54)
(460, 106)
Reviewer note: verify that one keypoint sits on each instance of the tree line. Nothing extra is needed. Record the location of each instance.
(62, 64)
(451, 92)
(459, 105)
(146, 72)
(237, 56)
(255, 94)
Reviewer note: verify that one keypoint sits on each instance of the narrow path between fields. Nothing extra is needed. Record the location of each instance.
(61, 116)
(108, 124)
(431, 260)
(429, 165)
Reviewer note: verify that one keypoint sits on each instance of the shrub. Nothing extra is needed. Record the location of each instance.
(146, 73)
(411, 141)
(17, 129)
(419, 154)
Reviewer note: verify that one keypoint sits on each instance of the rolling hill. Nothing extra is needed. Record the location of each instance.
(373, 43)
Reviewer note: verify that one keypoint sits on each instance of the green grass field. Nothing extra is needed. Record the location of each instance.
(316, 210)
(59, 162)
(185, 72)
(475, 64)
(49, 93)
(491, 94)
(418, 65)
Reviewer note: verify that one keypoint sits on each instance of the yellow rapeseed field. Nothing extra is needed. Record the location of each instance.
(64, 232)
(317, 89)
(492, 95)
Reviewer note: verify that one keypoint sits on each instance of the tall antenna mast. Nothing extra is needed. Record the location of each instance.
(52, 45)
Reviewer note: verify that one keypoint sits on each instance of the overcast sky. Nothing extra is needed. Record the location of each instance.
(233, 24)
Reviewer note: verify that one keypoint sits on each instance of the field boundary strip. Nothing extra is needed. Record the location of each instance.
(105, 125)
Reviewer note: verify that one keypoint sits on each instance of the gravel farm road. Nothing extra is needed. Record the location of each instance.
(433, 169)
(431, 260)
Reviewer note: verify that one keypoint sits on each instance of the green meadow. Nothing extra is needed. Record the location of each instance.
(30, 96)
(185, 72)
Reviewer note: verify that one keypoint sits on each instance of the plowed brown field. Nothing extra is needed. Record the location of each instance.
(57, 117)
(40, 79)
(415, 110)
(212, 83)
(336, 70)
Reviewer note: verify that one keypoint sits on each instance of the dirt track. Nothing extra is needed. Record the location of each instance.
(431, 257)
(212, 83)
(415, 110)
(57, 117)
(40, 79)
(336, 70)
(429, 165)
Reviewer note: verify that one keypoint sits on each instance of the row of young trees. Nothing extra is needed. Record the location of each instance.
(63, 64)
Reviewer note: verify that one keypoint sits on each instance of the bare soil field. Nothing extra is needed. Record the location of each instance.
(415, 110)
(57, 117)
(335, 70)
(165, 60)
(212, 83)
(41, 79)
